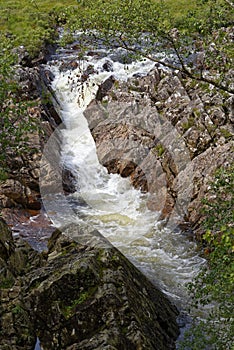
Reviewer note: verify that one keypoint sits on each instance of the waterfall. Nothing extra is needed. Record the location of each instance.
(108, 202)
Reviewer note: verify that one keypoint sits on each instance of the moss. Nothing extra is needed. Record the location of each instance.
(66, 250)
(115, 258)
(189, 123)
(3, 176)
(17, 309)
(197, 114)
(159, 149)
(6, 283)
(104, 103)
(113, 96)
(211, 128)
(69, 310)
(116, 84)
(226, 133)
(134, 88)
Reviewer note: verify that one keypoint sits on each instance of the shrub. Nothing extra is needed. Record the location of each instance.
(213, 287)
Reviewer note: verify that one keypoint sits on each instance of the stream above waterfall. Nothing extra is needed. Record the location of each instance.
(106, 201)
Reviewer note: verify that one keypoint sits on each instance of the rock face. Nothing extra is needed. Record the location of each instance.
(81, 294)
(21, 188)
(168, 135)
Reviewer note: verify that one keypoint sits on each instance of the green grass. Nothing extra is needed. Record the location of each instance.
(27, 20)
(179, 9)
(16, 16)
(31, 23)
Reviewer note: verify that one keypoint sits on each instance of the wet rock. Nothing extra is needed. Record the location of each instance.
(82, 294)
(104, 88)
(68, 65)
(108, 66)
(69, 181)
(122, 56)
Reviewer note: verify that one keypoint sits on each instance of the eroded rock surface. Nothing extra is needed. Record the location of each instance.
(81, 294)
(166, 133)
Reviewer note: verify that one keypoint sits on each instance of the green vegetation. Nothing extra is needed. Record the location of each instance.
(188, 124)
(6, 282)
(17, 309)
(214, 285)
(159, 149)
(196, 36)
(69, 310)
(15, 121)
(32, 23)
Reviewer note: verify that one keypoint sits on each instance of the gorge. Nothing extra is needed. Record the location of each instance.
(136, 113)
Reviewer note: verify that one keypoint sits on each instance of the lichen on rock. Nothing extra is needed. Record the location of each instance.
(82, 294)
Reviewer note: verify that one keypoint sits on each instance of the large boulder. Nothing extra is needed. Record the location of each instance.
(84, 294)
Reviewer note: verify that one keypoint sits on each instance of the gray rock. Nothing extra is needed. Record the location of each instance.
(153, 128)
(83, 294)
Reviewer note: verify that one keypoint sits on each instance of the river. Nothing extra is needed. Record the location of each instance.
(106, 201)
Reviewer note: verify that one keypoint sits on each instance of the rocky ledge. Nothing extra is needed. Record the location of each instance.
(80, 294)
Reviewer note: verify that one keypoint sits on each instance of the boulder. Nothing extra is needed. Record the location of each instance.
(83, 294)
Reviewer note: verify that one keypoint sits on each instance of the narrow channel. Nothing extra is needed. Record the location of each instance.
(112, 205)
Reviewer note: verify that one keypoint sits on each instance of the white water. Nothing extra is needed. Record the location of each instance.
(116, 209)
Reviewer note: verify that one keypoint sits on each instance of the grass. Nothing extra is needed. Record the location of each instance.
(16, 16)
(31, 22)
(179, 9)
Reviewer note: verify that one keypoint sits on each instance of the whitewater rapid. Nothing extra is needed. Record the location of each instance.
(108, 202)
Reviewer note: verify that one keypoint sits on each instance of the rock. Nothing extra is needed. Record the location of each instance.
(69, 65)
(7, 245)
(55, 177)
(108, 66)
(23, 56)
(16, 259)
(69, 181)
(84, 294)
(21, 188)
(15, 193)
(158, 130)
(104, 88)
(204, 167)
